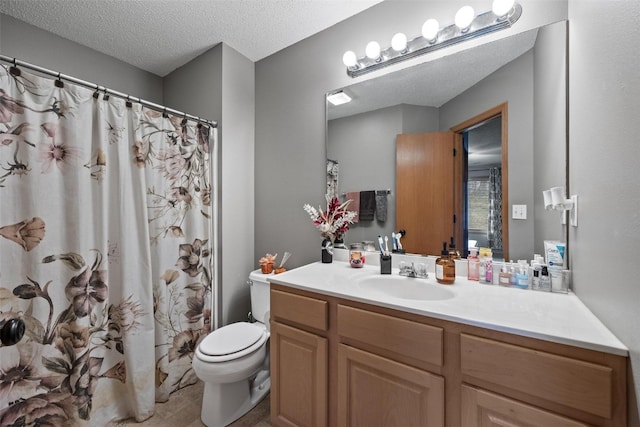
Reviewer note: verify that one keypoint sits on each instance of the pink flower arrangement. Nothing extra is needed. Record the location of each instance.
(333, 222)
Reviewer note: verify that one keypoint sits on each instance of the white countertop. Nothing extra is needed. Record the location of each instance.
(560, 318)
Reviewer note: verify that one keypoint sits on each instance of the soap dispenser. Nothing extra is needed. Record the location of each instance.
(445, 267)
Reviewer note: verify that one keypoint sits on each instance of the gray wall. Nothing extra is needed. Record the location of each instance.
(290, 116)
(365, 146)
(39, 47)
(220, 84)
(549, 128)
(604, 152)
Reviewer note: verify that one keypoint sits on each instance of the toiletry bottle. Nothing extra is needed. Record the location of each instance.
(473, 265)
(514, 274)
(445, 267)
(504, 278)
(482, 265)
(535, 281)
(545, 281)
(489, 266)
(523, 276)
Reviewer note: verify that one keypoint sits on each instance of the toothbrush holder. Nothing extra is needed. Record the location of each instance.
(385, 264)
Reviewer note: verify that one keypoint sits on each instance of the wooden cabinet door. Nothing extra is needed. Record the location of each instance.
(484, 409)
(375, 391)
(299, 376)
(425, 190)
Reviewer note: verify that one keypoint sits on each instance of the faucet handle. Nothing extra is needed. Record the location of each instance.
(421, 271)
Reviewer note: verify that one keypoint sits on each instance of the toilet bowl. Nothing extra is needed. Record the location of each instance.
(233, 362)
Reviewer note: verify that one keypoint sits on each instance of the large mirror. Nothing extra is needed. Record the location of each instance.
(504, 102)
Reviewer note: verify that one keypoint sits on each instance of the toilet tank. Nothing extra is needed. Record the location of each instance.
(260, 298)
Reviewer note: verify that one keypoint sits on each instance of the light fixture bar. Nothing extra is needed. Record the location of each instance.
(482, 24)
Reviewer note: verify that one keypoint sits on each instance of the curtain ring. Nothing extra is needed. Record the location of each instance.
(164, 113)
(128, 103)
(59, 83)
(96, 94)
(106, 94)
(14, 70)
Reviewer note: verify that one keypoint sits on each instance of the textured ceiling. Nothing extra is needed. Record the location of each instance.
(161, 35)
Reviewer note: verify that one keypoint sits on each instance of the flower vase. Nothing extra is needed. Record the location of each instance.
(327, 251)
(339, 244)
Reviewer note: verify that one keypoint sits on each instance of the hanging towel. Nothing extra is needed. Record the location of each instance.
(367, 205)
(354, 196)
(381, 205)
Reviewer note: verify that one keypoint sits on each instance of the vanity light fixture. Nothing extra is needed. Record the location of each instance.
(467, 26)
(399, 42)
(464, 18)
(373, 51)
(338, 98)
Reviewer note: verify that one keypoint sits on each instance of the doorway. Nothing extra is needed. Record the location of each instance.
(482, 182)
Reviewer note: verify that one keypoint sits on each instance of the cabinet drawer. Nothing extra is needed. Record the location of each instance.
(299, 309)
(481, 408)
(399, 339)
(574, 383)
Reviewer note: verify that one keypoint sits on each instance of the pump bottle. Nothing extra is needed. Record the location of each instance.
(445, 267)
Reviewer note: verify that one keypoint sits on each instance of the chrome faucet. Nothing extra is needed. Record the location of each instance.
(410, 270)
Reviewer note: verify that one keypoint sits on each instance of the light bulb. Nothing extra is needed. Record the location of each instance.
(502, 7)
(349, 58)
(464, 17)
(430, 29)
(399, 42)
(372, 50)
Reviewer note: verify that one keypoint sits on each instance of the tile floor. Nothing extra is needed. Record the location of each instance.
(183, 410)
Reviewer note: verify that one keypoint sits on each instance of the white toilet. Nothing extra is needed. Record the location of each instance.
(233, 362)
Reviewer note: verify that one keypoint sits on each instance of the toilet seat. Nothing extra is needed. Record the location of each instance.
(232, 342)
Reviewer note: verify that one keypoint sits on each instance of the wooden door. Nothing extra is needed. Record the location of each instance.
(484, 409)
(425, 195)
(375, 391)
(299, 377)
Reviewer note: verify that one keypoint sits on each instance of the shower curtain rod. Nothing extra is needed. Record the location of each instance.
(16, 62)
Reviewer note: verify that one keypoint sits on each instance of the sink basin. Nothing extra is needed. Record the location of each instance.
(404, 288)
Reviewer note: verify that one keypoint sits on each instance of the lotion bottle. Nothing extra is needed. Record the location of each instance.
(514, 274)
(473, 264)
(504, 278)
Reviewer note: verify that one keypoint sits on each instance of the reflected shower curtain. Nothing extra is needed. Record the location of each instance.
(105, 252)
(495, 210)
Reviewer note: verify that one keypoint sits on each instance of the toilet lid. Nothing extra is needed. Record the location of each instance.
(231, 339)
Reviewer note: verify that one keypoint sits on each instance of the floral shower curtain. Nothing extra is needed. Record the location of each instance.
(105, 252)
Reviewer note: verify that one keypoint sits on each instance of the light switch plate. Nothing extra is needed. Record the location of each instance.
(519, 212)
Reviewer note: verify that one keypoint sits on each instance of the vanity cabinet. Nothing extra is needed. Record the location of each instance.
(299, 360)
(382, 370)
(339, 362)
(376, 391)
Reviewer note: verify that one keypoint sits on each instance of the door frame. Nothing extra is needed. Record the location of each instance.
(459, 202)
